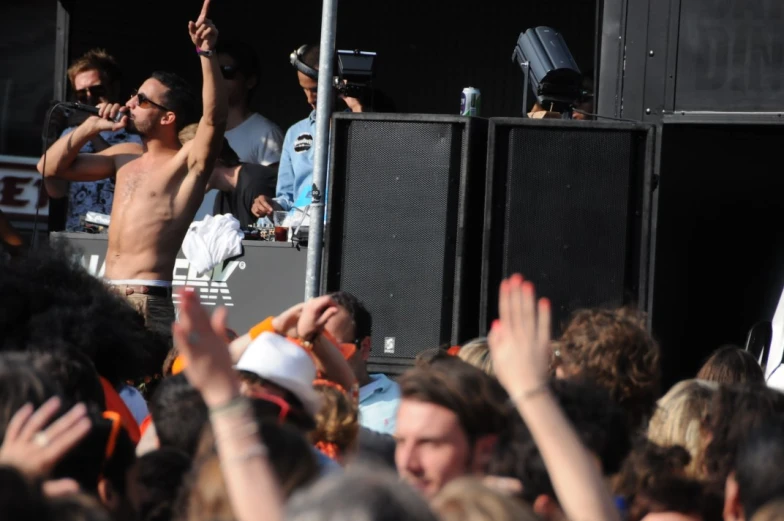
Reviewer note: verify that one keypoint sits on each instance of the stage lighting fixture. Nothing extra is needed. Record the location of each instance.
(549, 69)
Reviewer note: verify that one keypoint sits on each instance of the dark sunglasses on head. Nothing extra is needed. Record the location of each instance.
(145, 102)
(92, 92)
(229, 72)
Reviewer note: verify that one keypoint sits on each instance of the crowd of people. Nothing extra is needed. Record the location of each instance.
(102, 417)
(112, 409)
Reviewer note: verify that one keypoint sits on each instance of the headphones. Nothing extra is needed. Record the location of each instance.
(296, 60)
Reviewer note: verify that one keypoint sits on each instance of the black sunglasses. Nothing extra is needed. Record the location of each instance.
(94, 92)
(229, 72)
(145, 102)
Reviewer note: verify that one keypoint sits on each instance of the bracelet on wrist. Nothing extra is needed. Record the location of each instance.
(204, 52)
(526, 395)
(255, 451)
(238, 404)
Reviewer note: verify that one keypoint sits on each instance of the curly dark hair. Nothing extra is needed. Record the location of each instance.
(652, 480)
(612, 349)
(734, 412)
(731, 365)
(48, 302)
(599, 422)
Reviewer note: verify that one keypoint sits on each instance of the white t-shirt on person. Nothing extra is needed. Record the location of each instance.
(256, 140)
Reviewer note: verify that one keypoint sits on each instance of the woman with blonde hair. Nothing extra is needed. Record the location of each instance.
(468, 499)
(678, 416)
(476, 353)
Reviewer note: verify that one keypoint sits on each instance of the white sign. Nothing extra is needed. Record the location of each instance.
(20, 188)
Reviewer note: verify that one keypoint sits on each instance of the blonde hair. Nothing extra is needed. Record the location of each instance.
(468, 499)
(337, 423)
(678, 416)
(188, 133)
(773, 511)
(477, 353)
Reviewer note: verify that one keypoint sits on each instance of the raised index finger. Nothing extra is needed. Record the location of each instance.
(204, 9)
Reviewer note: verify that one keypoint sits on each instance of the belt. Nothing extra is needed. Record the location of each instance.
(155, 291)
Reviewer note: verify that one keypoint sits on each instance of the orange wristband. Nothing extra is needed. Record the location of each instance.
(265, 326)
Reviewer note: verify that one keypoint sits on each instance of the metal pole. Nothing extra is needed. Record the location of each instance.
(526, 86)
(323, 114)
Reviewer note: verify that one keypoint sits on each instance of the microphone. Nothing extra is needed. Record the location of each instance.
(75, 105)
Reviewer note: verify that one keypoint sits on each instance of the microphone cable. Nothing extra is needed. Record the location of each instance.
(46, 131)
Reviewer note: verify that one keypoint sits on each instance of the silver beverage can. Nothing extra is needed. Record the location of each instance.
(470, 102)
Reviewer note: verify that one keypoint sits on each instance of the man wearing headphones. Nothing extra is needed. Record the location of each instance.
(295, 173)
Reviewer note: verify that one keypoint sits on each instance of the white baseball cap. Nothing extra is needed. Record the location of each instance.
(283, 363)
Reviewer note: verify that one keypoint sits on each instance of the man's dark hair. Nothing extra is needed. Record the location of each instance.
(180, 98)
(735, 411)
(20, 383)
(311, 56)
(598, 420)
(159, 475)
(478, 400)
(73, 372)
(179, 414)
(363, 321)
(758, 466)
(243, 55)
(48, 302)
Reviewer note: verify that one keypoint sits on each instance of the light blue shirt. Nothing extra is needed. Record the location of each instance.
(378, 402)
(295, 172)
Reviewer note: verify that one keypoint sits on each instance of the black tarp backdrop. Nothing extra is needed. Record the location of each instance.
(428, 50)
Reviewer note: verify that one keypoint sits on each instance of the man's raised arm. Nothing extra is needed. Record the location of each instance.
(63, 159)
(209, 135)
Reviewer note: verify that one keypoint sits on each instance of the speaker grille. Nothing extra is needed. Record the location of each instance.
(398, 230)
(569, 210)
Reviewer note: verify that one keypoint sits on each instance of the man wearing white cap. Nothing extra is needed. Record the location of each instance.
(273, 365)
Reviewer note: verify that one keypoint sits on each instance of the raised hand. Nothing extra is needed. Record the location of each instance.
(203, 32)
(520, 339)
(286, 322)
(34, 448)
(315, 314)
(203, 344)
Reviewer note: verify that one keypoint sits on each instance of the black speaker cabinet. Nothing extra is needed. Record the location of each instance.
(719, 252)
(568, 205)
(404, 229)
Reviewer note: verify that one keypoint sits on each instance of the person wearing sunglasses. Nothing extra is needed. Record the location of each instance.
(256, 139)
(94, 78)
(158, 188)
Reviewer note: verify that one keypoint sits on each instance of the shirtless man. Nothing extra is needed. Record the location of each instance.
(158, 187)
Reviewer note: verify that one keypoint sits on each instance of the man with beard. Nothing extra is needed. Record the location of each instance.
(158, 190)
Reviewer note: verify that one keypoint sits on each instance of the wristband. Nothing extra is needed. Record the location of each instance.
(203, 52)
(237, 404)
(530, 393)
(265, 326)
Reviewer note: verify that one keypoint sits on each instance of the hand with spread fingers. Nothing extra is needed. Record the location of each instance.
(203, 344)
(203, 32)
(33, 446)
(520, 339)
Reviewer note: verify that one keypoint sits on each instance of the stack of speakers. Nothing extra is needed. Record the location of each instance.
(426, 215)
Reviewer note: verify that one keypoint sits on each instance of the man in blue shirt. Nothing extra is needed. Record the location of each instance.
(378, 395)
(295, 173)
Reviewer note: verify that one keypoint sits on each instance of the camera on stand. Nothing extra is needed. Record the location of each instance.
(354, 73)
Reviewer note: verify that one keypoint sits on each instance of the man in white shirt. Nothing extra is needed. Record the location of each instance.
(255, 138)
(379, 396)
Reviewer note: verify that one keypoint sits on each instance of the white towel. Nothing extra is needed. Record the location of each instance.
(212, 240)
